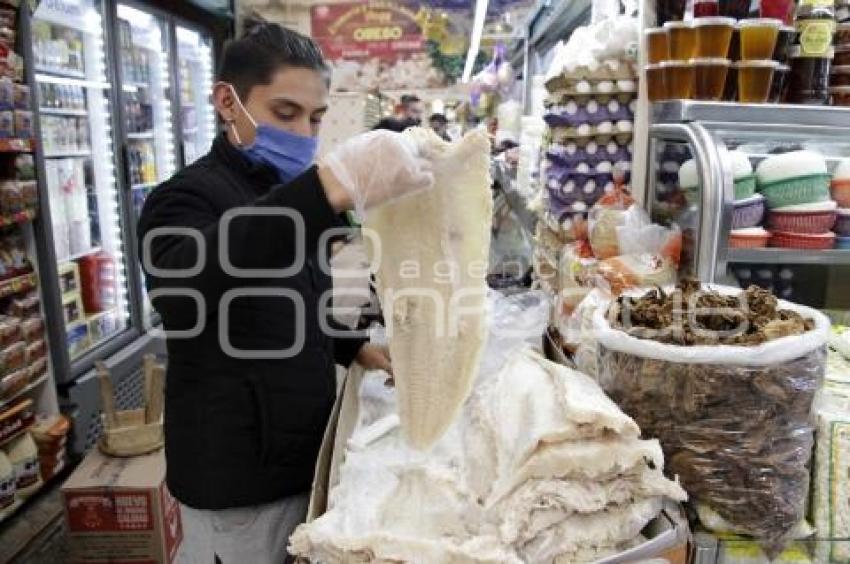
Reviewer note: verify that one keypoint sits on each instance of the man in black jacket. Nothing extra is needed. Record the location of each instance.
(231, 247)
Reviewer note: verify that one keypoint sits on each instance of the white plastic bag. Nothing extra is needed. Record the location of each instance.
(734, 421)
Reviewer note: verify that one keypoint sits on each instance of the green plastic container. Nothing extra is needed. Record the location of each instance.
(745, 187)
(795, 191)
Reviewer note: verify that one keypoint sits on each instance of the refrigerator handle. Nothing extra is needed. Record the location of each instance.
(125, 165)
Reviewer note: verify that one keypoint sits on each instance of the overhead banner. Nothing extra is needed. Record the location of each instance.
(365, 30)
(376, 44)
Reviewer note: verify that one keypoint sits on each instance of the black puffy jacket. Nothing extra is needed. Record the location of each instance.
(241, 431)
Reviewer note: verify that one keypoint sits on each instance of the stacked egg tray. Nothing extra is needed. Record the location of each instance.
(590, 122)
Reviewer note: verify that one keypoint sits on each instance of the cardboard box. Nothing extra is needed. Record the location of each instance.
(668, 536)
(118, 510)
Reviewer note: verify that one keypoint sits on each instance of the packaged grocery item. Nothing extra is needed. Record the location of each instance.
(839, 76)
(32, 328)
(13, 249)
(614, 231)
(7, 483)
(13, 357)
(24, 167)
(22, 97)
(15, 66)
(36, 350)
(23, 454)
(37, 369)
(604, 218)
(13, 382)
(805, 218)
(29, 193)
(23, 124)
(7, 94)
(748, 238)
(840, 96)
(8, 16)
(754, 80)
(50, 432)
(810, 77)
(830, 470)
(793, 178)
(629, 271)
(10, 330)
(731, 404)
(11, 201)
(748, 212)
(27, 306)
(7, 124)
(790, 240)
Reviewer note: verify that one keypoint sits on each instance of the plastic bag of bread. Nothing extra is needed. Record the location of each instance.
(617, 230)
(620, 273)
(603, 220)
(725, 379)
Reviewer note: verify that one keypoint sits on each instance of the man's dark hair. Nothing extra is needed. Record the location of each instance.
(394, 124)
(262, 50)
(407, 99)
(439, 118)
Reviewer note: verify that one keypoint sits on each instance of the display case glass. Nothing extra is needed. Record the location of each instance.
(145, 75)
(739, 233)
(73, 88)
(194, 77)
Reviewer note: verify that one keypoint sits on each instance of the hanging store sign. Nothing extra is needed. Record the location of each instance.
(365, 30)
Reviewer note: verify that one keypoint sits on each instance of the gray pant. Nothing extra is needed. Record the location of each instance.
(257, 534)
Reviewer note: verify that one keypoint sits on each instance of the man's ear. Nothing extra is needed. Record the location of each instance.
(225, 102)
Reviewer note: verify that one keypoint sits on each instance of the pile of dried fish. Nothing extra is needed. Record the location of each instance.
(691, 315)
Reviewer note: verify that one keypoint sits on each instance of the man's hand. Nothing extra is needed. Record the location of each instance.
(374, 357)
(373, 168)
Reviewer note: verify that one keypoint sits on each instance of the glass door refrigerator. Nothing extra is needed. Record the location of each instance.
(194, 81)
(84, 266)
(143, 52)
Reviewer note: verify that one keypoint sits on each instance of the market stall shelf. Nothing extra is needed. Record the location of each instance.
(790, 256)
(18, 285)
(15, 145)
(24, 216)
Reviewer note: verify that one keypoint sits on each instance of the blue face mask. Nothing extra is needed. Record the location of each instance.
(288, 153)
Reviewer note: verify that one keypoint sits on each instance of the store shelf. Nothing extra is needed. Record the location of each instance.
(18, 284)
(76, 256)
(143, 185)
(18, 218)
(141, 135)
(71, 81)
(64, 73)
(62, 112)
(790, 256)
(68, 154)
(677, 111)
(21, 502)
(16, 421)
(15, 145)
(23, 391)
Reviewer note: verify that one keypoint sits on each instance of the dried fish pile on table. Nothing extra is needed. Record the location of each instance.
(750, 318)
(541, 467)
(732, 411)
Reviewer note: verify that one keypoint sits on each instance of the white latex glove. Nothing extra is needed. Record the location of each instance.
(377, 167)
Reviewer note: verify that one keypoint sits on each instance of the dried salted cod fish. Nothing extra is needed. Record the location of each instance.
(431, 282)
